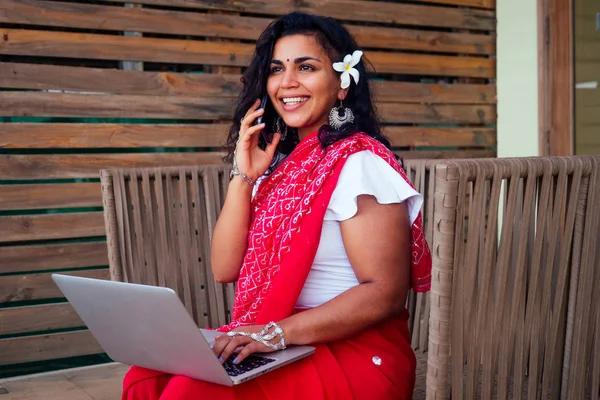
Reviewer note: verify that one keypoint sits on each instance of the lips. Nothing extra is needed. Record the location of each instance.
(293, 103)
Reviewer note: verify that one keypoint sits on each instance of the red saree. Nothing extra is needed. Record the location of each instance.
(288, 213)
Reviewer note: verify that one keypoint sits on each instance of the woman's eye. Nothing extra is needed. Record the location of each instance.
(306, 67)
(275, 69)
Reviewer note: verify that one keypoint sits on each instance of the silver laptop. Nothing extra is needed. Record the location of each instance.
(148, 326)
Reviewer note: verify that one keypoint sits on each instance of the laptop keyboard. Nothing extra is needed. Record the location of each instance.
(250, 363)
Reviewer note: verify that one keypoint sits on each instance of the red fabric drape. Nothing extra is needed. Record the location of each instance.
(288, 213)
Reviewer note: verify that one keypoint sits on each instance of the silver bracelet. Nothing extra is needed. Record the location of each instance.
(265, 337)
(236, 172)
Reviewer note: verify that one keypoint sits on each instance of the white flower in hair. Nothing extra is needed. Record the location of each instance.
(346, 67)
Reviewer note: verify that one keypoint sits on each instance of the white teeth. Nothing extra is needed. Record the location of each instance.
(294, 100)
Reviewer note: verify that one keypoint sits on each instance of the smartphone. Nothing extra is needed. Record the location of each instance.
(268, 137)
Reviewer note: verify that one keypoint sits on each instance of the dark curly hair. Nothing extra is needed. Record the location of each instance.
(336, 42)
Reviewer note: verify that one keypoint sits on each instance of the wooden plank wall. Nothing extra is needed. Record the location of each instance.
(88, 85)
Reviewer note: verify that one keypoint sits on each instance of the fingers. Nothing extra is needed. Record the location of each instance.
(256, 128)
(250, 348)
(233, 344)
(271, 147)
(251, 115)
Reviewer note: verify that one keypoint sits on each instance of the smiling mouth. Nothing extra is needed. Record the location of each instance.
(291, 101)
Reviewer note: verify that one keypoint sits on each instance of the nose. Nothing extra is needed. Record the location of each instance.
(288, 80)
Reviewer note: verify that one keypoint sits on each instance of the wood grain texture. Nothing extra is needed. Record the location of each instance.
(107, 47)
(112, 47)
(48, 347)
(174, 107)
(44, 317)
(65, 166)
(349, 10)
(39, 286)
(438, 113)
(122, 136)
(561, 97)
(90, 16)
(434, 93)
(52, 256)
(114, 106)
(426, 64)
(40, 77)
(38, 196)
(73, 136)
(99, 80)
(15, 228)
(491, 4)
(428, 136)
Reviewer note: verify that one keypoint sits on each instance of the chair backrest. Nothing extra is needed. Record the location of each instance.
(515, 300)
(159, 222)
(422, 174)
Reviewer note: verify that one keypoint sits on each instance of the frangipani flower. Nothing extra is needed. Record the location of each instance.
(346, 67)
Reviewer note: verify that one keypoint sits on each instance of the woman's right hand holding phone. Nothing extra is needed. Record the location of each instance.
(251, 159)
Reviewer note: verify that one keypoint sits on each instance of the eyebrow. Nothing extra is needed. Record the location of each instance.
(297, 60)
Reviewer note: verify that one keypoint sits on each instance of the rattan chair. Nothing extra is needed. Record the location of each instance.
(159, 223)
(422, 175)
(515, 300)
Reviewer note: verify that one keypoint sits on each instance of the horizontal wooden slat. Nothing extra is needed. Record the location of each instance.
(39, 76)
(48, 347)
(14, 228)
(439, 113)
(425, 64)
(41, 136)
(113, 106)
(66, 195)
(429, 41)
(434, 93)
(39, 286)
(465, 3)
(107, 47)
(130, 106)
(89, 16)
(350, 10)
(89, 165)
(72, 136)
(112, 47)
(38, 318)
(444, 154)
(428, 136)
(52, 256)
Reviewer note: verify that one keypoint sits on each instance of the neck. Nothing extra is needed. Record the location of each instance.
(303, 133)
(307, 130)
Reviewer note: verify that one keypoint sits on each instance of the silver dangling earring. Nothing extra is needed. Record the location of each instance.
(281, 127)
(339, 116)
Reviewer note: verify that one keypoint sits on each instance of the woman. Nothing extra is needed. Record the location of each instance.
(326, 244)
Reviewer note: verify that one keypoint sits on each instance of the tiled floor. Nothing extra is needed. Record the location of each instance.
(100, 382)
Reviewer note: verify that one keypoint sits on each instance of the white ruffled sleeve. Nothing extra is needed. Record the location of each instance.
(366, 173)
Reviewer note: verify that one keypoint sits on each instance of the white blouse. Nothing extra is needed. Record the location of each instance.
(363, 173)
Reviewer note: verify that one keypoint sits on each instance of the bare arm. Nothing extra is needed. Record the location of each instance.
(377, 241)
(230, 237)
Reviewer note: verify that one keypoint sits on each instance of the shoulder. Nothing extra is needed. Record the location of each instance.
(366, 172)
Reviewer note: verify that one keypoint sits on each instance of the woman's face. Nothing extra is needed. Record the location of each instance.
(302, 84)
